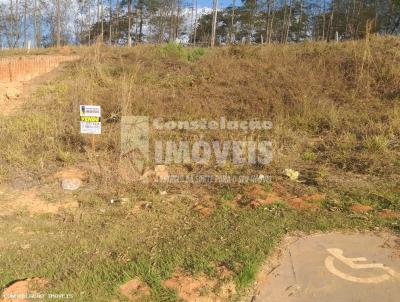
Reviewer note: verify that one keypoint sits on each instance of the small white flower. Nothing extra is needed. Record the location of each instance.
(292, 174)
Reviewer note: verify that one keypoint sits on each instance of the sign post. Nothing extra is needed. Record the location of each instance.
(90, 118)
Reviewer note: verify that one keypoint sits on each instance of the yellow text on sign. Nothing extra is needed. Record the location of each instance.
(90, 119)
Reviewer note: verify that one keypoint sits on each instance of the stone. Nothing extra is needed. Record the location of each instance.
(161, 171)
(12, 93)
(71, 184)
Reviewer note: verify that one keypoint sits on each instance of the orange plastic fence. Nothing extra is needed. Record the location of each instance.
(26, 68)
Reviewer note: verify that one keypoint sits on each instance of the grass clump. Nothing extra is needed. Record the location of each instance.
(177, 51)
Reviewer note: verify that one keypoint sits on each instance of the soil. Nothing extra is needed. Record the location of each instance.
(22, 289)
(30, 200)
(360, 208)
(14, 94)
(135, 290)
(258, 196)
(200, 288)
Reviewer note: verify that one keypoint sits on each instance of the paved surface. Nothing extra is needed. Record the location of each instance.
(336, 268)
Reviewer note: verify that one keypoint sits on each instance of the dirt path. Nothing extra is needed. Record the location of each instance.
(15, 93)
(12, 199)
(49, 198)
(33, 201)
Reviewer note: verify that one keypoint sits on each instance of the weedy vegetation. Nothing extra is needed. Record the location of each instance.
(335, 110)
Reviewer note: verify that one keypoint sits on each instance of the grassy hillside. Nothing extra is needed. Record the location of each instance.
(335, 110)
(334, 107)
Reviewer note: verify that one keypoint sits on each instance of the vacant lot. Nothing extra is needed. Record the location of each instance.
(335, 110)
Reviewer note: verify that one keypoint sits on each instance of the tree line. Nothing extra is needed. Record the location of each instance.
(43, 23)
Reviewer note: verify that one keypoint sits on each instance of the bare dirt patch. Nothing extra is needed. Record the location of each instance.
(72, 172)
(255, 196)
(200, 288)
(306, 201)
(203, 209)
(135, 290)
(20, 291)
(10, 96)
(20, 80)
(389, 214)
(361, 208)
(31, 201)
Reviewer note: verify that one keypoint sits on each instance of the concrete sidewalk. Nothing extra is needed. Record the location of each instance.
(336, 268)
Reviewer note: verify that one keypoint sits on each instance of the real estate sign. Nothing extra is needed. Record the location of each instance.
(90, 117)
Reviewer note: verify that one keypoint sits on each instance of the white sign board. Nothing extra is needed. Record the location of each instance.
(90, 119)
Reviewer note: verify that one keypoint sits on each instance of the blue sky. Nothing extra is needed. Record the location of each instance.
(222, 3)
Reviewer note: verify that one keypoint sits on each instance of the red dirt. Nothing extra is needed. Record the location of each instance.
(17, 69)
(389, 214)
(259, 197)
(360, 208)
(256, 192)
(22, 289)
(205, 211)
(72, 172)
(200, 288)
(135, 290)
(33, 203)
(306, 201)
(15, 74)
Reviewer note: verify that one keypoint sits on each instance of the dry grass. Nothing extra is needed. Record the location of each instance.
(66, 50)
(333, 108)
(336, 115)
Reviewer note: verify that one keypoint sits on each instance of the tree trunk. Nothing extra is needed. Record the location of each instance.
(300, 24)
(102, 21)
(117, 24)
(289, 21)
(323, 21)
(232, 22)
(283, 33)
(214, 22)
(110, 20)
(25, 24)
(58, 23)
(129, 22)
(35, 25)
(11, 34)
(195, 26)
(330, 23)
(267, 19)
(140, 25)
(89, 24)
(271, 26)
(177, 24)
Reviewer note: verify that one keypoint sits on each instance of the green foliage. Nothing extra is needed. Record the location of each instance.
(177, 51)
(228, 196)
(309, 155)
(195, 54)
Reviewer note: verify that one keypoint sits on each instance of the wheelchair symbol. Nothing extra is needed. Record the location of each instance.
(337, 254)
